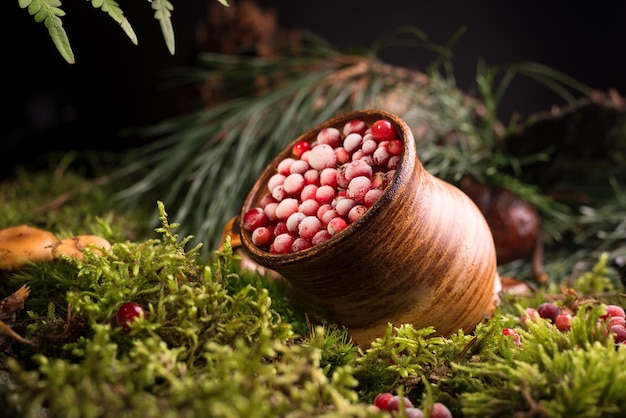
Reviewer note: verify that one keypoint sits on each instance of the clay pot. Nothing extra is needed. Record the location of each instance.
(423, 254)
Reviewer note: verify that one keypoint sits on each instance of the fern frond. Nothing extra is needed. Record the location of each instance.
(163, 14)
(112, 9)
(49, 12)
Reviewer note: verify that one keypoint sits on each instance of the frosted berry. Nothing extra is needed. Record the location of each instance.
(336, 225)
(300, 244)
(383, 130)
(262, 236)
(255, 218)
(322, 156)
(352, 142)
(355, 125)
(282, 243)
(329, 136)
(309, 226)
(284, 167)
(127, 313)
(293, 184)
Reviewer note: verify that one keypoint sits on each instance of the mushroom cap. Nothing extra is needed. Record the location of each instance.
(74, 246)
(22, 244)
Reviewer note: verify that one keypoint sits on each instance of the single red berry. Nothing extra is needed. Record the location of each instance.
(563, 321)
(382, 400)
(299, 148)
(254, 218)
(127, 313)
(383, 130)
(548, 311)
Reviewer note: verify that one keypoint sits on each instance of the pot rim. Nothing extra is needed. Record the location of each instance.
(407, 163)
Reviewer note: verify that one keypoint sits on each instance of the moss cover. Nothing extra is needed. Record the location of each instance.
(220, 341)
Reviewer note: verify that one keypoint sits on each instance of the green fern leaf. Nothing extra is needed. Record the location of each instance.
(59, 38)
(49, 12)
(112, 9)
(163, 14)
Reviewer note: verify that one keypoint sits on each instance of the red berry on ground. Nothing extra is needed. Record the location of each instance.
(383, 130)
(563, 321)
(382, 400)
(548, 310)
(529, 315)
(619, 333)
(127, 313)
(510, 332)
(395, 402)
(414, 413)
(440, 411)
(614, 310)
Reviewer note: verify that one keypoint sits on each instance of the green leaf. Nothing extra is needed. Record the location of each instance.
(48, 11)
(61, 41)
(162, 14)
(113, 10)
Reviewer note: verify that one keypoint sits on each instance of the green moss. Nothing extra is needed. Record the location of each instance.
(218, 340)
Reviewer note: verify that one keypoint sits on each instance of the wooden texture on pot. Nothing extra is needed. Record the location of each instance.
(422, 254)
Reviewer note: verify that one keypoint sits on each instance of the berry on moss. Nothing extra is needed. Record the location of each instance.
(127, 313)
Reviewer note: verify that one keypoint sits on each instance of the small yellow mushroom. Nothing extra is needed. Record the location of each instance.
(74, 246)
(22, 244)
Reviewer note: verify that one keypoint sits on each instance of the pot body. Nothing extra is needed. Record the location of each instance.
(423, 254)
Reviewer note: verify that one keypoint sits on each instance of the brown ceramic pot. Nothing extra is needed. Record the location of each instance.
(423, 254)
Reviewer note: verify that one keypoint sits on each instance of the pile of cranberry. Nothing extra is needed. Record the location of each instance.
(324, 186)
(613, 320)
(391, 403)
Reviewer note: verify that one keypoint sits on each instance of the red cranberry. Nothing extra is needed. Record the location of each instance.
(510, 332)
(613, 311)
(254, 218)
(299, 148)
(383, 130)
(394, 403)
(127, 313)
(440, 411)
(619, 333)
(548, 311)
(382, 400)
(563, 321)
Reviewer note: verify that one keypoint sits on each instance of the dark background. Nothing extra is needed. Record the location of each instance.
(54, 106)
